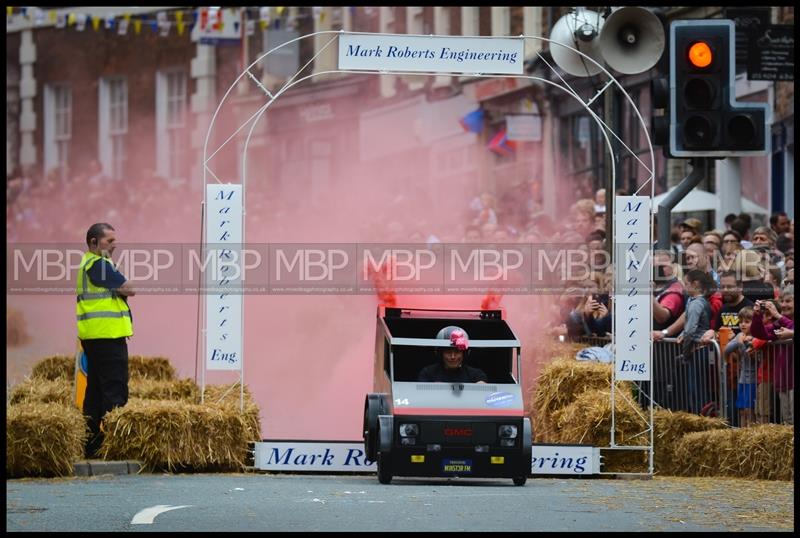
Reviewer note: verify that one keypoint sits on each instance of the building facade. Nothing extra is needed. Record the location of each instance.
(81, 93)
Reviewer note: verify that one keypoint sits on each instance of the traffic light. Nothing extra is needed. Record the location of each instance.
(705, 118)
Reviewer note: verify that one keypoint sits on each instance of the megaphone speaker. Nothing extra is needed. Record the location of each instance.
(632, 40)
(577, 30)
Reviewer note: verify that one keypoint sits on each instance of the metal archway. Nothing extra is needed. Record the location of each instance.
(564, 86)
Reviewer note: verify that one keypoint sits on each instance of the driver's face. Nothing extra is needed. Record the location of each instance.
(453, 358)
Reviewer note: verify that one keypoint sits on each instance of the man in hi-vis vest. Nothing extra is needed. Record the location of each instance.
(104, 322)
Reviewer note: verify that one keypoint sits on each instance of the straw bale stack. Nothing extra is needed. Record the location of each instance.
(758, 452)
(180, 435)
(139, 367)
(559, 384)
(157, 368)
(60, 391)
(55, 367)
(43, 439)
(230, 396)
(16, 328)
(587, 420)
(156, 389)
(669, 429)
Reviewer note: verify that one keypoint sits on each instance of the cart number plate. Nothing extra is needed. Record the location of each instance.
(457, 466)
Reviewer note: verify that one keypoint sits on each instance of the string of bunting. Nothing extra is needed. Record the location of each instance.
(163, 21)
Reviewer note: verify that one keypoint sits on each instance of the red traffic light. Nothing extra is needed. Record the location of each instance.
(700, 54)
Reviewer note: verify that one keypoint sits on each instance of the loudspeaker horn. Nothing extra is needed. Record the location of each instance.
(579, 30)
(632, 40)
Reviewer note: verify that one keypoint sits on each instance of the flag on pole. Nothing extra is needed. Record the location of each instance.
(473, 122)
(501, 145)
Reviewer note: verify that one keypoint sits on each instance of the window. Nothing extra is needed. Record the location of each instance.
(582, 155)
(321, 168)
(58, 128)
(171, 124)
(114, 126)
(119, 126)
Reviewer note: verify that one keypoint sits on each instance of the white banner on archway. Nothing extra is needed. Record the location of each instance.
(431, 54)
(632, 296)
(223, 277)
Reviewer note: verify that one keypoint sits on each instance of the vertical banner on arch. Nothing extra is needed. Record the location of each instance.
(632, 289)
(223, 277)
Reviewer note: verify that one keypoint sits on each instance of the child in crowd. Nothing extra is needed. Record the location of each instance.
(699, 287)
(746, 348)
(770, 324)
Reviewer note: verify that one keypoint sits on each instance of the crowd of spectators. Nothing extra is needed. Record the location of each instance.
(702, 283)
(56, 208)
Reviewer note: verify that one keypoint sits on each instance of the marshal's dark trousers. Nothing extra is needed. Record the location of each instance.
(107, 383)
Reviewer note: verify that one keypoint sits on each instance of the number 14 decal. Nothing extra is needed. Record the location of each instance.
(401, 401)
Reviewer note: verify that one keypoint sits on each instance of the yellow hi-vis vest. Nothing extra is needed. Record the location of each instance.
(101, 312)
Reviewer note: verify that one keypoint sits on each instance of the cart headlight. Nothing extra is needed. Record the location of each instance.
(507, 431)
(409, 430)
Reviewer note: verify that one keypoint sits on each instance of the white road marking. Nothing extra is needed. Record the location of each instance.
(146, 516)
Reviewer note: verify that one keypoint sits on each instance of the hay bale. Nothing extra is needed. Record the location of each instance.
(230, 395)
(177, 435)
(150, 368)
(55, 367)
(43, 439)
(587, 420)
(559, 384)
(669, 429)
(139, 367)
(156, 389)
(16, 328)
(764, 452)
(60, 391)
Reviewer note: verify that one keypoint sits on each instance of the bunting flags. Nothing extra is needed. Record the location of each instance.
(473, 122)
(501, 145)
(162, 22)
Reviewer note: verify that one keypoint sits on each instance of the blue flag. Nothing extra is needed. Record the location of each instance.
(473, 121)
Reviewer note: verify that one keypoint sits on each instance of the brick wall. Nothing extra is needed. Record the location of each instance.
(80, 59)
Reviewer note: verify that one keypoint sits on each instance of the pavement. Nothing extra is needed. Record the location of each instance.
(103, 467)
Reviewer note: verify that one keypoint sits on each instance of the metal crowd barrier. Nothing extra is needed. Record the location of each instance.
(594, 340)
(693, 383)
(705, 383)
